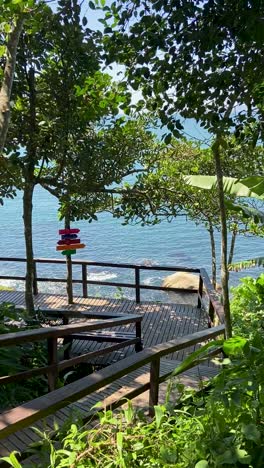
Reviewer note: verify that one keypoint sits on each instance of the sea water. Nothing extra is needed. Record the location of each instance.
(178, 243)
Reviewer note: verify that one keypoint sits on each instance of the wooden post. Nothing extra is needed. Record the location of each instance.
(139, 345)
(137, 284)
(154, 385)
(84, 279)
(211, 314)
(200, 292)
(52, 359)
(67, 225)
(67, 342)
(35, 282)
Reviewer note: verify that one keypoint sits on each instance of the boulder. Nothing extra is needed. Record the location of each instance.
(181, 280)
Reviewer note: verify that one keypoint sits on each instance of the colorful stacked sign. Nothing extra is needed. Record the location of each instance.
(69, 242)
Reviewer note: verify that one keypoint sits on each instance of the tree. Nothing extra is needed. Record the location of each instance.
(96, 168)
(63, 105)
(163, 193)
(55, 55)
(12, 18)
(197, 60)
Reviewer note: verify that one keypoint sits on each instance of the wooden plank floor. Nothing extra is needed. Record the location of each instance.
(161, 321)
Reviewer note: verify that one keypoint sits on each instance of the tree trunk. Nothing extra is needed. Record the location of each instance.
(232, 247)
(27, 217)
(213, 252)
(7, 82)
(69, 264)
(224, 269)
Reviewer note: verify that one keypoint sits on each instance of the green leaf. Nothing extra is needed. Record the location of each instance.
(197, 356)
(159, 413)
(234, 345)
(202, 464)
(251, 432)
(119, 442)
(255, 183)
(12, 460)
(244, 264)
(167, 138)
(92, 5)
(232, 186)
(228, 457)
(2, 50)
(243, 457)
(247, 211)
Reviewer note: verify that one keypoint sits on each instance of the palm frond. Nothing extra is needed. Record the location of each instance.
(245, 264)
(232, 186)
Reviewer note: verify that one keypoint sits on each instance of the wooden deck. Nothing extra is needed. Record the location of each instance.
(161, 321)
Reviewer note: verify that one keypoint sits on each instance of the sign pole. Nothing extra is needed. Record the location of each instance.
(69, 267)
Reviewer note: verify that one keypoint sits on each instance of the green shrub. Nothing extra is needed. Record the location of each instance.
(247, 306)
(17, 359)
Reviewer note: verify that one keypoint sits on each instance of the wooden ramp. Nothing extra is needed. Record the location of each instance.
(112, 393)
(161, 321)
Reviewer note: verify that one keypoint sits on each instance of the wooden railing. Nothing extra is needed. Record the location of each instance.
(24, 415)
(215, 309)
(137, 285)
(52, 335)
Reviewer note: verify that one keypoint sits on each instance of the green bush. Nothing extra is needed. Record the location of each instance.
(247, 306)
(17, 359)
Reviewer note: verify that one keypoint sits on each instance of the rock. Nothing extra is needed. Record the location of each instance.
(181, 280)
(184, 280)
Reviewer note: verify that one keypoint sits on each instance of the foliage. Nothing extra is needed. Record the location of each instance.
(183, 56)
(66, 133)
(232, 186)
(245, 264)
(18, 359)
(247, 306)
(221, 426)
(194, 60)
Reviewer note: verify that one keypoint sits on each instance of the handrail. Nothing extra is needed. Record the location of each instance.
(24, 415)
(37, 334)
(215, 307)
(107, 264)
(51, 334)
(84, 281)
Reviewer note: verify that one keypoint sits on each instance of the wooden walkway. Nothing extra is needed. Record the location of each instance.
(161, 321)
(112, 393)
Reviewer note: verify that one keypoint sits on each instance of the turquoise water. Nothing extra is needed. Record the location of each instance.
(179, 243)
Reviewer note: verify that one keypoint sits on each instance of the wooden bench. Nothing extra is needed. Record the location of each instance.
(100, 336)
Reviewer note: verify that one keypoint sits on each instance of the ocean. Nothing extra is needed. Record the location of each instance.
(179, 243)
